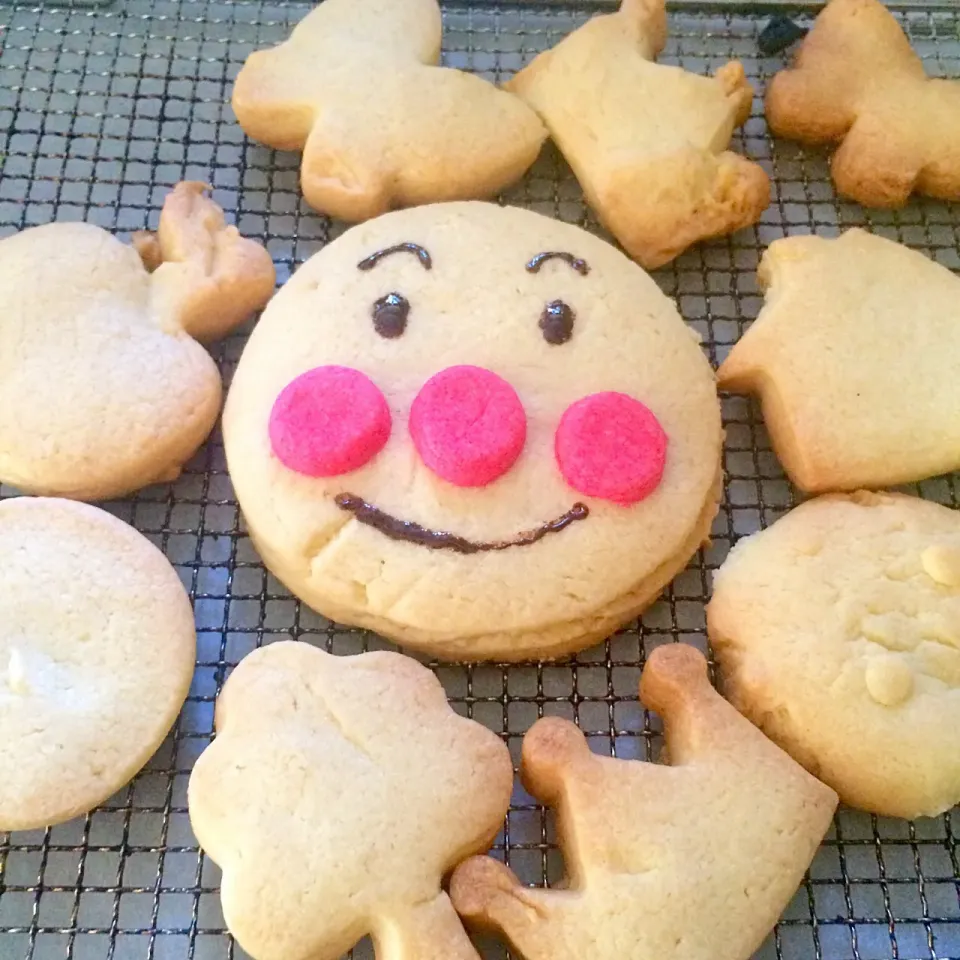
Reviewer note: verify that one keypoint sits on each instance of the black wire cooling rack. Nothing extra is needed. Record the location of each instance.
(103, 107)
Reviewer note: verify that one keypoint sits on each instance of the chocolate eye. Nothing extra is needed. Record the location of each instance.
(390, 315)
(556, 322)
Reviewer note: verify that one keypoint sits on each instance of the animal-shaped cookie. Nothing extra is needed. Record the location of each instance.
(838, 632)
(857, 82)
(337, 794)
(97, 649)
(356, 88)
(692, 861)
(648, 142)
(102, 385)
(855, 358)
(476, 430)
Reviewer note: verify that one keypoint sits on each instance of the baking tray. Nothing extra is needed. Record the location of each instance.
(102, 110)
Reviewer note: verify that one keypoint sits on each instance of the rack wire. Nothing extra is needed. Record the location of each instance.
(102, 110)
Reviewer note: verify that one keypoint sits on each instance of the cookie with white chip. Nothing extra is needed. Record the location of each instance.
(837, 631)
(478, 431)
(338, 793)
(647, 141)
(357, 89)
(97, 648)
(692, 861)
(854, 357)
(102, 383)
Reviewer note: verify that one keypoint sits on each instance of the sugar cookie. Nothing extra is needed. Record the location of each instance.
(838, 632)
(648, 142)
(857, 82)
(97, 647)
(855, 358)
(338, 792)
(540, 443)
(357, 89)
(103, 386)
(692, 861)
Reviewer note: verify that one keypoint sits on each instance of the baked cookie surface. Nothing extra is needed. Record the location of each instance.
(647, 141)
(855, 357)
(103, 386)
(357, 89)
(856, 81)
(337, 794)
(97, 648)
(528, 437)
(838, 632)
(691, 861)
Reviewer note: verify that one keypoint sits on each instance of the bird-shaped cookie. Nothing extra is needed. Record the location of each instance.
(357, 89)
(103, 385)
(692, 861)
(856, 81)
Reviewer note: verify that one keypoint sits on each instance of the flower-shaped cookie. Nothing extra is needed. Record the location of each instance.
(337, 794)
(103, 387)
(477, 430)
(357, 89)
(692, 861)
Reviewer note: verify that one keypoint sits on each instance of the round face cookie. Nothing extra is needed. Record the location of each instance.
(97, 647)
(838, 633)
(476, 430)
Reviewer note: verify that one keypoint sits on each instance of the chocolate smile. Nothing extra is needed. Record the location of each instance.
(397, 529)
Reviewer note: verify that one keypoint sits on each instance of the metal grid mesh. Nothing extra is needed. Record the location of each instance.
(101, 111)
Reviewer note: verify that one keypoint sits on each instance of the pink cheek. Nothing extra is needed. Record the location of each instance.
(328, 421)
(468, 425)
(612, 447)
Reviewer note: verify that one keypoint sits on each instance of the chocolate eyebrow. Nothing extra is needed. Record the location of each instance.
(581, 266)
(368, 263)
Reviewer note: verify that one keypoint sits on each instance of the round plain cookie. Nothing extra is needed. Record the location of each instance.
(530, 450)
(97, 647)
(103, 385)
(837, 631)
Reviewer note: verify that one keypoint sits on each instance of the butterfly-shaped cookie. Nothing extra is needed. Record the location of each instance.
(857, 82)
(357, 89)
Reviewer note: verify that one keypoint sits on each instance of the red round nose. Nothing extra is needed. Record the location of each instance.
(328, 421)
(610, 446)
(468, 425)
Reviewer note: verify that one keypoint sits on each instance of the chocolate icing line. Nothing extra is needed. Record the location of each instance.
(535, 263)
(411, 532)
(368, 263)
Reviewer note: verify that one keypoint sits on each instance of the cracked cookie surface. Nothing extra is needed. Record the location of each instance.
(838, 632)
